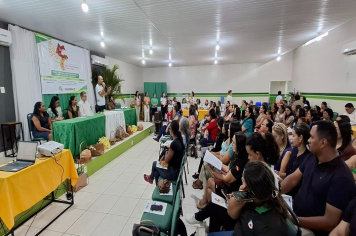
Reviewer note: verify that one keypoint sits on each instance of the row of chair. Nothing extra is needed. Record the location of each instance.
(168, 222)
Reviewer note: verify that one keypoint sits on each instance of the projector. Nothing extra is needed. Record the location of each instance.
(50, 148)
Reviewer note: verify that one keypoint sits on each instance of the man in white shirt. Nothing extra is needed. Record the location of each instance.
(279, 98)
(84, 105)
(100, 93)
(229, 96)
(351, 113)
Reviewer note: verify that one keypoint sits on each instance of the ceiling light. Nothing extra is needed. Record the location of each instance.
(279, 58)
(217, 47)
(85, 7)
(170, 64)
(279, 50)
(102, 43)
(320, 37)
(143, 61)
(151, 51)
(216, 62)
(102, 33)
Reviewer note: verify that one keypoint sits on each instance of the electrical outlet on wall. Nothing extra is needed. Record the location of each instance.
(85, 169)
(2, 89)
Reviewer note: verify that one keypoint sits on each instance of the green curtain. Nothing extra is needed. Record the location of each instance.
(157, 88)
(63, 99)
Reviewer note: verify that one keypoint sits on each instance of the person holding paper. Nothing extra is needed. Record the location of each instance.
(225, 154)
(173, 157)
(266, 214)
(230, 176)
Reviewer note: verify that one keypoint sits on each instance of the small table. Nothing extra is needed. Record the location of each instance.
(353, 131)
(12, 127)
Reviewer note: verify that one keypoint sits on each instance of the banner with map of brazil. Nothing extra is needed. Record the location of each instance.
(61, 66)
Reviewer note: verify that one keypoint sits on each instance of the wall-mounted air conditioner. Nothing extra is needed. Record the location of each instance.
(349, 48)
(5, 38)
(99, 61)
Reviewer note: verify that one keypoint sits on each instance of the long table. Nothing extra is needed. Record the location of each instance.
(71, 133)
(21, 190)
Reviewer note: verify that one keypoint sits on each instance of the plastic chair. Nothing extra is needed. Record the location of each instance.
(169, 219)
(335, 115)
(29, 123)
(258, 104)
(167, 198)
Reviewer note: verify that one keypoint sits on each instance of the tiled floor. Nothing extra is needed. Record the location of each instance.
(114, 199)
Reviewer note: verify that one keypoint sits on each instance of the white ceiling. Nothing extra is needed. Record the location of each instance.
(249, 31)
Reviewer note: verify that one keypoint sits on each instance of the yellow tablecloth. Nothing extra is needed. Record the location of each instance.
(354, 131)
(201, 113)
(21, 190)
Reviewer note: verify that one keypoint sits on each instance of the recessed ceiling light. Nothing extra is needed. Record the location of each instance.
(217, 47)
(170, 64)
(143, 61)
(85, 7)
(279, 58)
(216, 62)
(151, 51)
(102, 43)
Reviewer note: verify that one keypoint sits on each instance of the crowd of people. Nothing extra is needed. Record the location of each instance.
(287, 147)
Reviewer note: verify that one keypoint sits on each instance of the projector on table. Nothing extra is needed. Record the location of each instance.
(50, 148)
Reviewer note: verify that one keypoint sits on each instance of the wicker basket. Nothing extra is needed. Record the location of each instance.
(119, 132)
(96, 149)
(85, 154)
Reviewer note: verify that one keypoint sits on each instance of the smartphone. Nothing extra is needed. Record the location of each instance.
(156, 207)
(242, 196)
(223, 191)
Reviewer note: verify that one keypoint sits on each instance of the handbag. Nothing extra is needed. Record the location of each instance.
(164, 185)
(96, 149)
(144, 229)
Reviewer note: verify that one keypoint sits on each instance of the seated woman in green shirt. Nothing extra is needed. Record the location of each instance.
(54, 110)
(154, 104)
(73, 109)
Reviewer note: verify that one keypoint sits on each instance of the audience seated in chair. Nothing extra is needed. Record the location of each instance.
(173, 157)
(54, 110)
(73, 109)
(328, 114)
(344, 145)
(266, 126)
(41, 122)
(249, 123)
(261, 116)
(300, 137)
(327, 183)
(165, 129)
(84, 105)
(211, 130)
(230, 177)
(351, 113)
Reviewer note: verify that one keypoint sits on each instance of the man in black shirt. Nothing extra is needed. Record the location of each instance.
(327, 182)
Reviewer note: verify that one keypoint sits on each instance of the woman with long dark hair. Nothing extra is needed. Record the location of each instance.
(236, 113)
(41, 122)
(73, 109)
(54, 110)
(344, 133)
(261, 116)
(249, 123)
(173, 157)
(300, 152)
(211, 130)
(266, 126)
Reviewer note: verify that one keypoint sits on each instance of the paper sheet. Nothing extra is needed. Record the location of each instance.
(150, 203)
(212, 160)
(167, 143)
(289, 200)
(160, 166)
(216, 199)
(170, 193)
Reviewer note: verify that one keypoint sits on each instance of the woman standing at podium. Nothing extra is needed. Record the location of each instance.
(41, 122)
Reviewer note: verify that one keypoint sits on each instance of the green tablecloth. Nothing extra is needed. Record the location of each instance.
(74, 131)
(130, 116)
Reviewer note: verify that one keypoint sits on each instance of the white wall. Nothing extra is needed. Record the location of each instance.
(321, 68)
(132, 76)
